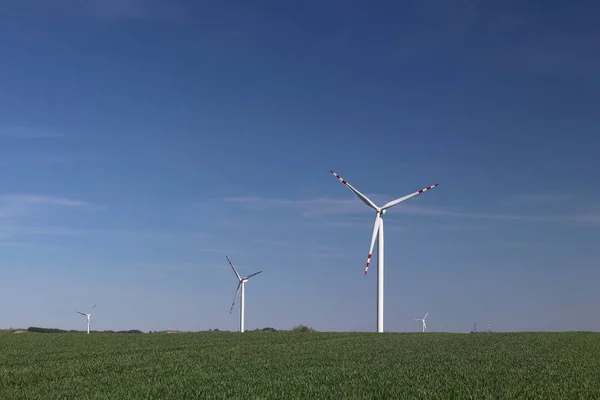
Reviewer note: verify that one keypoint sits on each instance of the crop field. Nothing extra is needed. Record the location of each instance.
(292, 365)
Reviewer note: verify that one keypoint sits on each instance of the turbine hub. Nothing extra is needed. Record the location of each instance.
(383, 212)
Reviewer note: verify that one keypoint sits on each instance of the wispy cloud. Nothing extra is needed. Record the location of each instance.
(356, 223)
(540, 198)
(588, 220)
(513, 244)
(308, 207)
(158, 270)
(15, 235)
(21, 205)
(28, 133)
(320, 254)
(132, 234)
(329, 206)
(41, 199)
(22, 244)
(17, 209)
(309, 250)
(8, 230)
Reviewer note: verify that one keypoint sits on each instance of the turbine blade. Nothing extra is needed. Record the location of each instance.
(424, 325)
(375, 232)
(234, 270)
(251, 275)
(94, 306)
(401, 199)
(235, 296)
(426, 315)
(81, 313)
(361, 196)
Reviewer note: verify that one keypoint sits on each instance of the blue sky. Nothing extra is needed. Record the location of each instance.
(143, 141)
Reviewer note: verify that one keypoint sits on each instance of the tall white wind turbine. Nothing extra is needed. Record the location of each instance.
(423, 321)
(88, 315)
(378, 234)
(241, 284)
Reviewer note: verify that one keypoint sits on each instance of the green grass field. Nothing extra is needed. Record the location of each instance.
(286, 365)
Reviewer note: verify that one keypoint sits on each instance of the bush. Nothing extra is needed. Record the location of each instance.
(302, 328)
(267, 329)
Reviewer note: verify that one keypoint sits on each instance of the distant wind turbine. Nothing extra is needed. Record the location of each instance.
(423, 321)
(378, 235)
(88, 315)
(241, 284)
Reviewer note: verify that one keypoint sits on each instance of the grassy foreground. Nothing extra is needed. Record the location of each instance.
(286, 365)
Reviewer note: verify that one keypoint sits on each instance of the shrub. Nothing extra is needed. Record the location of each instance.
(302, 328)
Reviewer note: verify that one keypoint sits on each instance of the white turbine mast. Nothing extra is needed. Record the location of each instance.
(241, 284)
(423, 321)
(378, 234)
(88, 315)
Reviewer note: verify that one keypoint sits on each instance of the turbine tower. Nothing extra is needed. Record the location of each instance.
(378, 234)
(423, 321)
(88, 315)
(241, 284)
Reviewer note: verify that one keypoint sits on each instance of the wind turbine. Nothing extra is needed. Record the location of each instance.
(241, 284)
(378, 234)
(88, 315)
(423, 321)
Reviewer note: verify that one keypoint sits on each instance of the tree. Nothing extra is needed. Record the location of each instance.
(303, 328)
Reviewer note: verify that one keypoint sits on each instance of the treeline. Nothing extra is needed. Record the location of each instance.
(252, 330)
(55, 330)
(297, 328)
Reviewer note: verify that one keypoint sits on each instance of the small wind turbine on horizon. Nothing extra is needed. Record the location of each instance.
(423, 321)
(241, 284)
(378, 234)
(88, 315)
